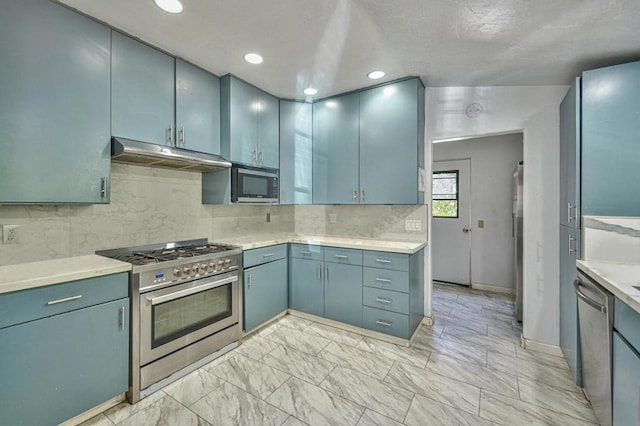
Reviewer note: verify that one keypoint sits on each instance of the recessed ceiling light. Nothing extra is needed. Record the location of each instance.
(374, 75)
(171, 6)
(310, 91)
(253, 58)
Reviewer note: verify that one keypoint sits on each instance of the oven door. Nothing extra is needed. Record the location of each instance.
(174, 317)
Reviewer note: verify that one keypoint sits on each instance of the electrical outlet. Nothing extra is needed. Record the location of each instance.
(333, 218)
(268, 217)
(10, 234)
(413, 225)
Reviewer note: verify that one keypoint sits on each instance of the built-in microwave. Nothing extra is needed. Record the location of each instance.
(254, 184)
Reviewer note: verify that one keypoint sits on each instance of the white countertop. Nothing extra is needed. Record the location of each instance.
(37, 274)
(248, 242)
(618, 278)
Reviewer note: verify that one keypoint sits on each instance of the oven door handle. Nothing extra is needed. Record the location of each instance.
(188, 291)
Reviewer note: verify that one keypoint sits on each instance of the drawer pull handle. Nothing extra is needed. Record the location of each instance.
(383, 280)
(341, 256)
(305, 252)
(384, 323)
(267, 255)
(385, 261)
(385, 301)
(66, 299)
(122, 318)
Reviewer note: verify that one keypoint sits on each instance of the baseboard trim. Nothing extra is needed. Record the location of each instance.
(98, 409)
(541, 347)
(491, 288)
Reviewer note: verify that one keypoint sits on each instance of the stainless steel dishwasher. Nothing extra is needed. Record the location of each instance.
(595, 315)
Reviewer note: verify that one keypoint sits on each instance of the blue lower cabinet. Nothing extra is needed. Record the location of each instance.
(307, 290)
(343, 293)
(386, 322)
(626, 383)
(57, 367)
(265, 292)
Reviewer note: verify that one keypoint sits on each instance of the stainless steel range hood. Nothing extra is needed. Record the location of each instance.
(148, 154)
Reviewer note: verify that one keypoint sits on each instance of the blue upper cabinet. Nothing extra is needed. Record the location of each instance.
(54, 108)
(335, 150)
(389, 141)
(142, 92)
(197, 108)
(296, 147)
(610, 142)
(249, 122)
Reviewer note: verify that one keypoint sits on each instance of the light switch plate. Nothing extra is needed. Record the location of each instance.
(480, 223)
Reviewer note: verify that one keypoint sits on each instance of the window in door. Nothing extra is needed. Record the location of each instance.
(445, 194)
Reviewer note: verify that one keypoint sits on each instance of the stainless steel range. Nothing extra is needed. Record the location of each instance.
(185, 308)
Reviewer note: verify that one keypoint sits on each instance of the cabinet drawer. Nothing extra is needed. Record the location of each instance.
(263, 255)
(627, 322)
(386, 279)
(341, 255)
(307, 251)
(385, 322)
(386, 260)
(41, 302)
(385, 299)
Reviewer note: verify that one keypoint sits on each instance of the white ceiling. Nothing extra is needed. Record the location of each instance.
(333, 44)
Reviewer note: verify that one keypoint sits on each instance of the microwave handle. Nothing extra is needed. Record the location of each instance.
(189, 291)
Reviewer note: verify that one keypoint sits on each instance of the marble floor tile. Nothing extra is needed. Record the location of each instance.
(465, 306)
(357, 359)
(269, 329)
(371, 418)
(220, 360)
(425, 411)
(508, 334)
(314, 405)
(231, 406)
(292, 421)
(474, 374)
(299, 364)
(440, 310)
(337, 335)
(391, 401)
(475, 326)
(465, 319)
(435, 386)
(193, 386)
(541, 358)
(295, 322)
(460, 335)
(459, 350)
(496, 313)
(164, 412)
(412, 355)
(432, 330)
(537, 372)
(509, 411)
(99, 420)
(124, 410)
(252, 376)
(556, 399)
(305, 342)
(256, 347)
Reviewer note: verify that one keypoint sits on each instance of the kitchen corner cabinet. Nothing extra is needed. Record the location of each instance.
(159, 99)
(626, 365)
(249, 123)
(54, 109)
(60, 360)
(296, 152)
(265, 284)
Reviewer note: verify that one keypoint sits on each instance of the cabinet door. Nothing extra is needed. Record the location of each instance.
(307, 291)
(238, 120)
(296, 147)
(197, 108)
(626, 383)
(268, 130)
(343, 293)
(569, 302)
(610, 143)
(335, 150)
(570, 156)
(54, 109)
(142, 91)
(265, 292)
(58, 367)
(389, 144)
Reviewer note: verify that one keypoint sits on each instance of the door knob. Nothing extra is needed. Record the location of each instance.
(466, 229)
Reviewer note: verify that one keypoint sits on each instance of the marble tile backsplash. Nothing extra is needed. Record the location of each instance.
(151, 205)
(611, 239)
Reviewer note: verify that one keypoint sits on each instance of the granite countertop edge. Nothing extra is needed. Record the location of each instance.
(618, 278)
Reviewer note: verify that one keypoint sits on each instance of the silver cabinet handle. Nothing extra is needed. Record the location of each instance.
(385, 261)
(318, 272)
(123, 318)
(181, 139)
(384, 323)
(571, 247)
(249, 281)
(254, 156)
(385, 301)
(383, 280)
(103, 187)
(305, 252)
(362, 195)
(327, 274)
(585, 299)
(267, 255)
(355, 194)
(569, 208)
(341, 256)
(66, 299)
(170, 138)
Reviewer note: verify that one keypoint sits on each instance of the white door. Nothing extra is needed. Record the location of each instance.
(451, 223)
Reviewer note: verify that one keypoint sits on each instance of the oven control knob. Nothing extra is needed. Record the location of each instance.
(195, 269)
(220, 264)
(212, 266)
(203, 268)
(177, 272)
(227, 262)
(186, 271)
